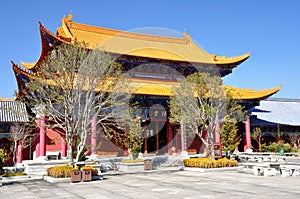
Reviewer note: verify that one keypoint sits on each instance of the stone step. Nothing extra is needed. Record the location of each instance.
(40, 166)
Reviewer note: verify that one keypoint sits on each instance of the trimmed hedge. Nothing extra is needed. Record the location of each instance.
(208, 163)
(64, 171)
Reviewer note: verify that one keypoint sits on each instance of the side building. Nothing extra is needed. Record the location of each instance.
(12, 113)
(278, 119)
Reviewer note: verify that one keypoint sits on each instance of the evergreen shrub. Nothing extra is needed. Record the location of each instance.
(3, 157)
(276, 147)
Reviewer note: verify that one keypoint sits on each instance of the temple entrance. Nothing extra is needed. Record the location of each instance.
(156, 138)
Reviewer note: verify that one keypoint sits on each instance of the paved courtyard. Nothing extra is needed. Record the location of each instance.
(176, 184)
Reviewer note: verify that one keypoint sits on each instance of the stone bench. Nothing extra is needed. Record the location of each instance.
(262, 158)
(258, 170)
(290, 170)
(267, 169)
(270, 171)
(53, 155)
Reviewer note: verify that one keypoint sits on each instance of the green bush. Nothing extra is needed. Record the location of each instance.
(11, 174)
(208, 163)
(3, 157)
(276, 147)
(263, 147)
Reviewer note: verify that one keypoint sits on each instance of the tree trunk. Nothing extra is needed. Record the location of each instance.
(71, 153)
(15, 151)
(211, 144)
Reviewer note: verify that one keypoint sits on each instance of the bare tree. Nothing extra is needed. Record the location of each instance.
(200, 101)
(21, 135)
(294, 139)
(75, 84)
(257, 137)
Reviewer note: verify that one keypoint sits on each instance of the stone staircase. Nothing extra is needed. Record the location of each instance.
(39, 166)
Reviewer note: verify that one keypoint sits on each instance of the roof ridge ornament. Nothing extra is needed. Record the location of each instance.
(186, 36)
(65, 27)
(68, 19)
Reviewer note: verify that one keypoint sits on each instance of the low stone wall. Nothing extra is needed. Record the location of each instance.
(41, 166)
(131, 167)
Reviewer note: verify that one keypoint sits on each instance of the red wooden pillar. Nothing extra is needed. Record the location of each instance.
(247, 144)
(170, 136)
(94, 135)
(176, 140)
(63, 146)
(20, 152)
(217, 132)
(37, 150)
(156, 136)
(43, 136)
(259, 144)
(145, 140)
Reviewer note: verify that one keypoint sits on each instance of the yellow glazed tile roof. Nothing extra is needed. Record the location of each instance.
(149, 46)
(140, 45)
(7, 99)
(248, 94)
(154, 87)
(164, 87)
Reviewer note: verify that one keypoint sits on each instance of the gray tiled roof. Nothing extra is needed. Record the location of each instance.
(280, 111)
(13, 111)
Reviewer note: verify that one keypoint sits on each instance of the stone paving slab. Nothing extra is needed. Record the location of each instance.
(175, 184)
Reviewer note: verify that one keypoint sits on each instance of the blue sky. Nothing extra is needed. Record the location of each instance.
(269, 29)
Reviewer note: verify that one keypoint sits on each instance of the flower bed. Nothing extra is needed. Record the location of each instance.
(131, 160)
(208, 163)
(64, 171)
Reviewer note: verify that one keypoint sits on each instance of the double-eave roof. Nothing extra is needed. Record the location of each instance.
(132, 44)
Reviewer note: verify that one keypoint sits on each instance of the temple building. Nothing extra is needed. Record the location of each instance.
(278, 119)
(12, 113)
(152, 85)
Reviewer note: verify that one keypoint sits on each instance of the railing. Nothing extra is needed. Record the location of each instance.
(266, 156)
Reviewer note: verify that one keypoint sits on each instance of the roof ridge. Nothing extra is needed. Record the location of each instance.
(7, 99)
(120, 33)
(282, 99)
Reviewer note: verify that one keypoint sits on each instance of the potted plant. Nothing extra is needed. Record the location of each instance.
(86, 175)
(75, 175)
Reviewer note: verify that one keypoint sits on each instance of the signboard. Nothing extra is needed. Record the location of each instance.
(218, 150)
